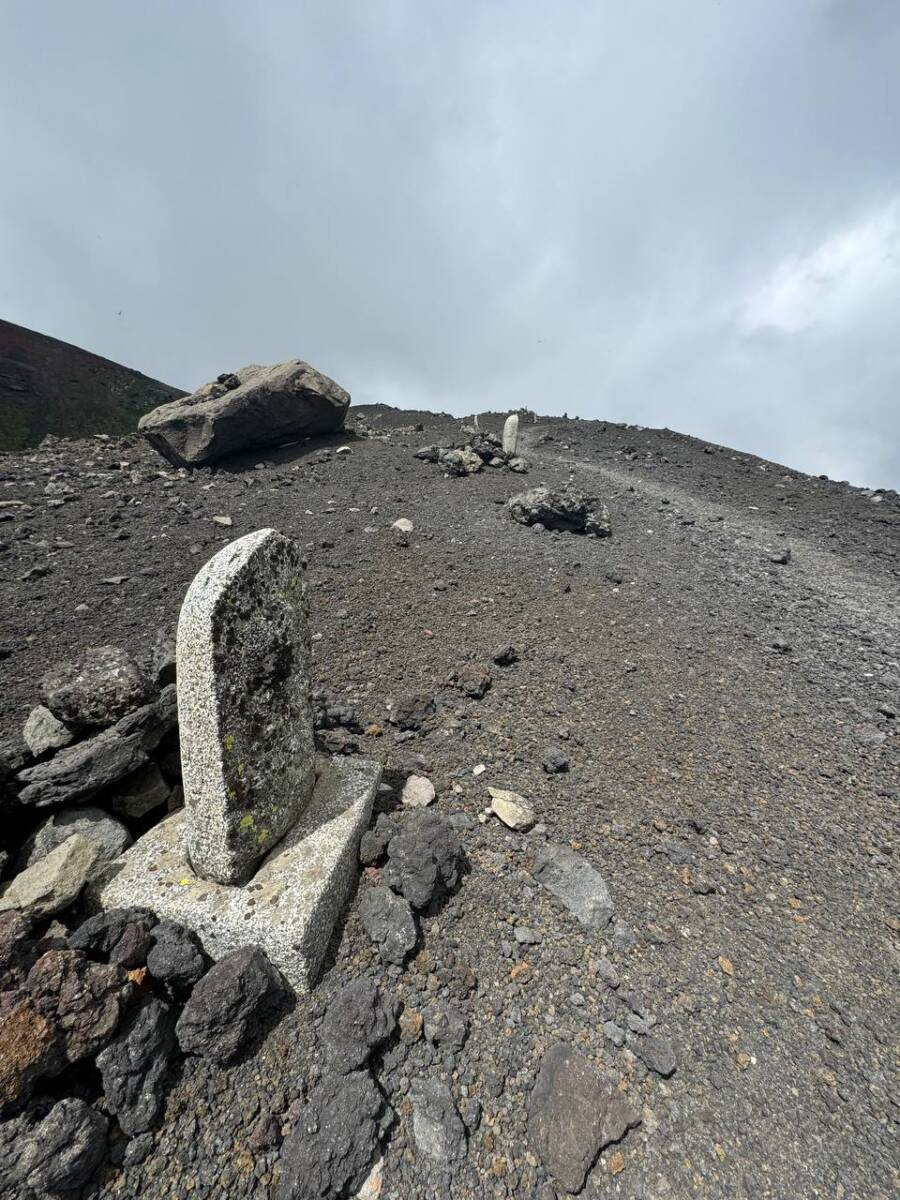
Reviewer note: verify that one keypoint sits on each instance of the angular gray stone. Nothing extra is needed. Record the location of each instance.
(140, 793)
(574, 1112)
(79, 772)
(561, 509)
(120, 936)
(225, 1008)
(576, 883)
(58, 1155)
(296, 896)
(511, 434)
(329, 1151)
(389, 922)
(460, 462)
(437, 1127)
(176, 957)
(246, 723)
(445, 1025)
(43, 732)
(54, 882)
(96, 689)
(110, 836)
(255, 406)
(134, 1063)
(360, 1017)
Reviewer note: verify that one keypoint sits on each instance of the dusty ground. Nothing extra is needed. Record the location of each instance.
(730, 727)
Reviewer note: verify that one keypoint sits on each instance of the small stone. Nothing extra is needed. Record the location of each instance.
(109, 835)
(505, 656)
(44, 733)
(224, 520)
(614, 1032)
(403, 525)
(437, 1128)
(473, 679)
(576, 883)
(412, 711)
(418, 792)
(224, 1009)
(176, 957)
(54, 881)
(361, 1017)
(555, 763)
(658, 1054)
(512, 809)
(389, 922)
(141, 793)
(424, 858)
(445, 1026)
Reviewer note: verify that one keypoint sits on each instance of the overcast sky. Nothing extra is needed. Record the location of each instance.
(666, 212)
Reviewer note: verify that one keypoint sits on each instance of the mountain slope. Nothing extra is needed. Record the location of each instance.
(48, 386)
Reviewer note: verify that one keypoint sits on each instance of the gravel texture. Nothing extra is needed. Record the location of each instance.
(727, 715)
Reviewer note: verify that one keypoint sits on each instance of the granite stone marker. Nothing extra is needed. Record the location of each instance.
(243, 671)
(511, 434)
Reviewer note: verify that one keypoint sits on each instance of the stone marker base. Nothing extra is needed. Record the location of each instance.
(291, 904)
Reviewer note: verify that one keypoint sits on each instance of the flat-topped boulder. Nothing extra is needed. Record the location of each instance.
(253, 407)
(246, 724)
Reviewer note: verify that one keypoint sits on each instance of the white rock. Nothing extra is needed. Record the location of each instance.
(510, 434)
(223, 519)
(54, 882)
(44, 732)
(403, 525)
(511, 808)
(418, 792)
(479, 770)
(343, 450)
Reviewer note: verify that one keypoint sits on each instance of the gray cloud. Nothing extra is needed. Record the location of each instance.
(679, 212)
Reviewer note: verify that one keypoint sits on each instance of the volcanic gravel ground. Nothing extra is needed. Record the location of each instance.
(729, 723)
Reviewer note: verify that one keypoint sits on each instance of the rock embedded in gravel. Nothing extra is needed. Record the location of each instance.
(176, 957)
(58, 1155)
(134, 1063)
(555, 762)
(656, 1053)
(424, 858)
(43, 732)
(574, 1112)
(418, 792)
(445, 1026)
(109, 835)
(389, 922)
(413, 710)
(473, 680)
(437, 1127)
(54, 881)
(331, 1148)
(505, 655)
(361, 1017)
(225, 1008)
(568, 511)
(96, 689)
(512, 809)
(573, 880)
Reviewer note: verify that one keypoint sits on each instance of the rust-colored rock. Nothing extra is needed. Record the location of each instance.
(28, 1051)
(83, 1000)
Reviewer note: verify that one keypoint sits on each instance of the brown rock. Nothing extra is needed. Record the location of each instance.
(83, 1000)
(28, 1051)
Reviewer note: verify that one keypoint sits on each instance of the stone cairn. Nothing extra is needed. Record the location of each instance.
(265, 849)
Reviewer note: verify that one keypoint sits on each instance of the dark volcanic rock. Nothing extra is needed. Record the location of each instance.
(255, 406)
(361, 1017)
(389, 922)
(560, 509)
(445, 1025)
(225, 1008)
(424, 858)
(437, 1126)
(96, 689)
(134, 1063)
(82, 1000)
(573, 1113)
(331, 1148)
(58, 1155)
(120, 935)
(81, 771)
(177, 957)
(411, 711)
(473, 679)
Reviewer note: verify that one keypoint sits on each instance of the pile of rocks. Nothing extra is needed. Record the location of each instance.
(479, 450)
(104, 1011)
(96, 761)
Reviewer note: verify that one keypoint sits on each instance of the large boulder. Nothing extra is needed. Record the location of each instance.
(560, 509)
(53, 882)
(255, 406)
